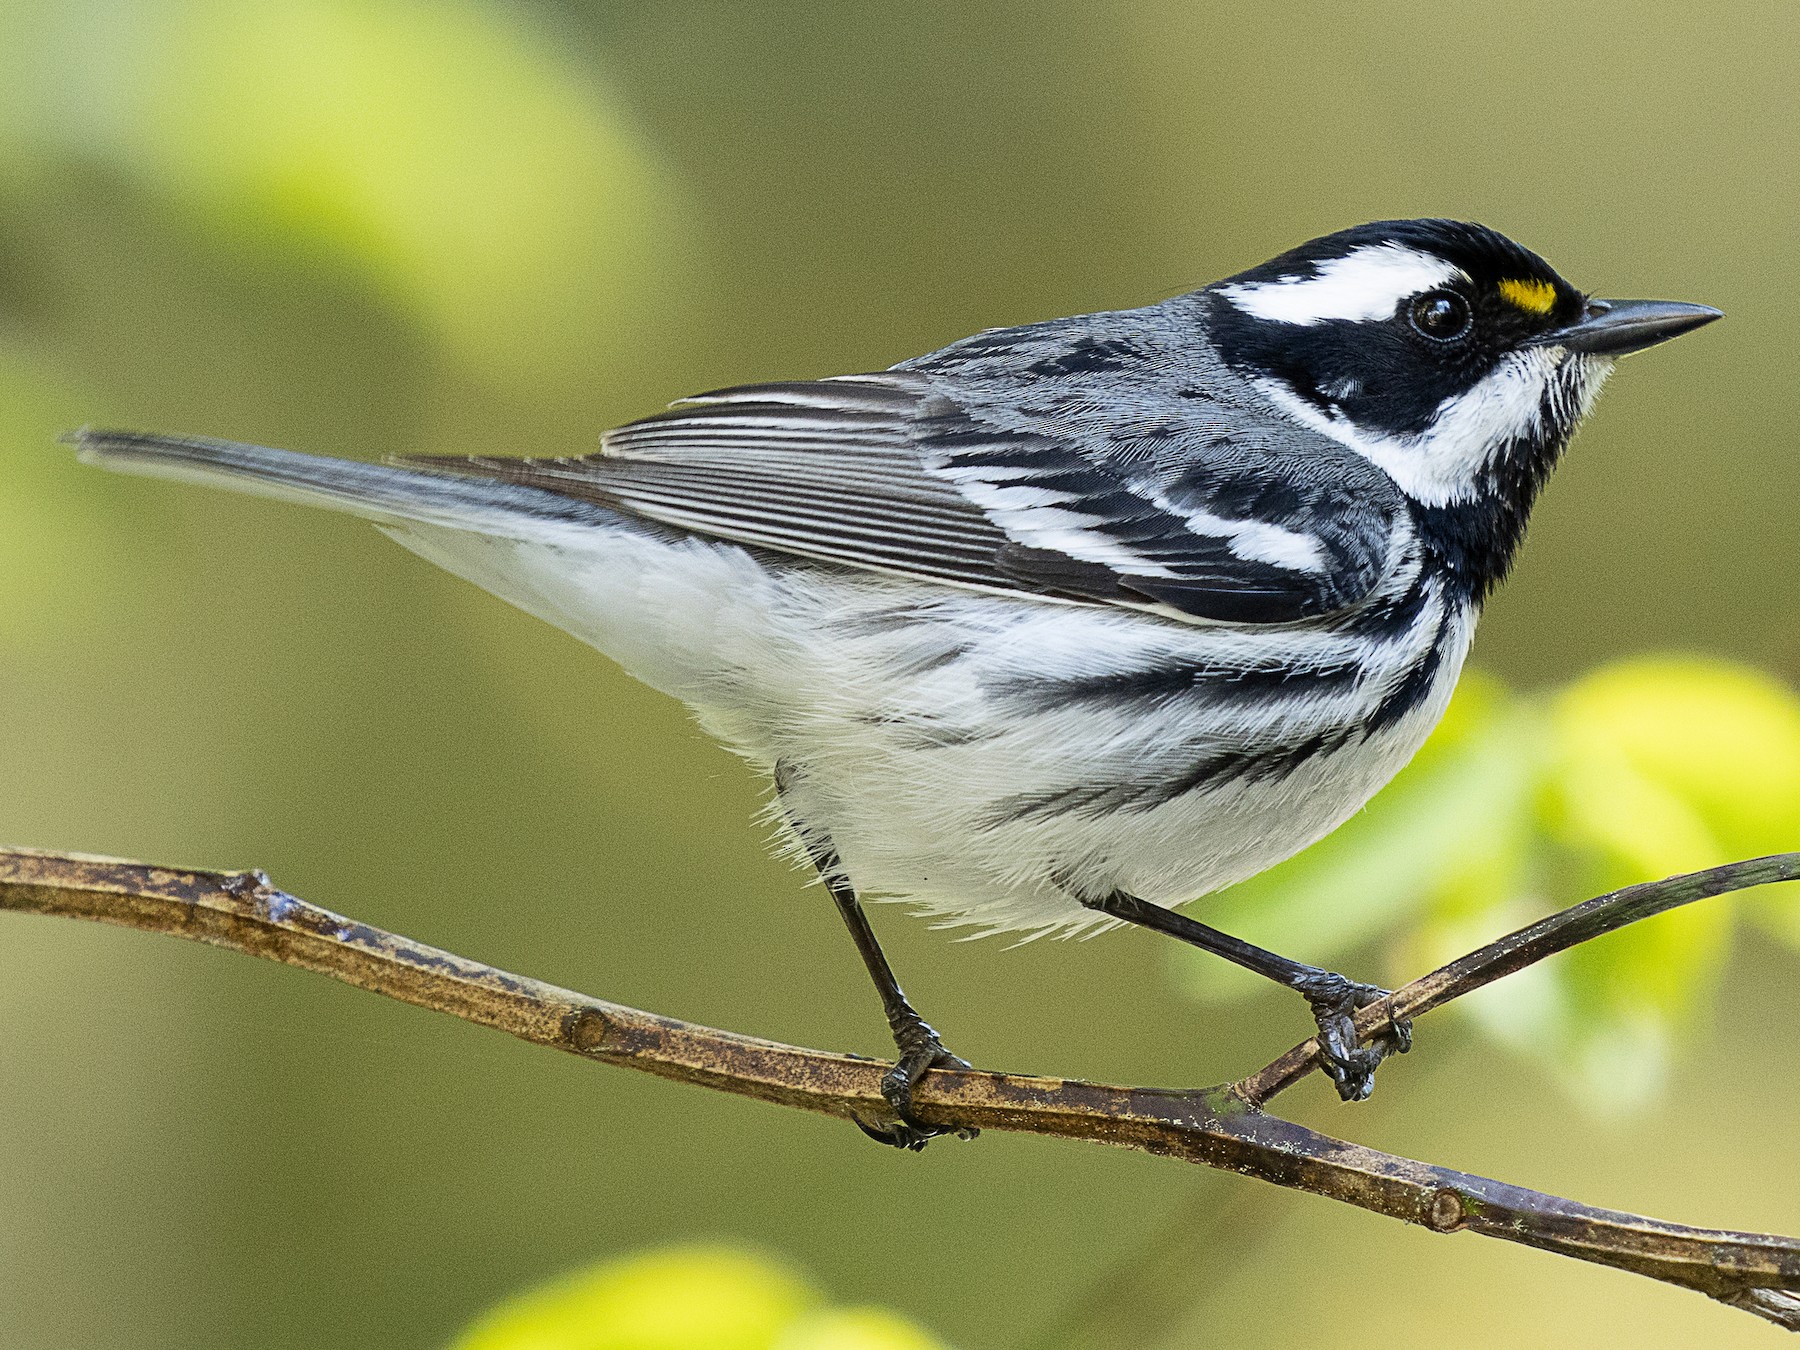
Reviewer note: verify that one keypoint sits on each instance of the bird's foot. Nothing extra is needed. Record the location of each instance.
(1334, 1001)
(920, 1052)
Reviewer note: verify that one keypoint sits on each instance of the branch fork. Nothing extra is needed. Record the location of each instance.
(1226, 1126)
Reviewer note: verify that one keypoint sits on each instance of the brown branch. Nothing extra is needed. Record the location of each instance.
(1215, 1126)
(1525, 947)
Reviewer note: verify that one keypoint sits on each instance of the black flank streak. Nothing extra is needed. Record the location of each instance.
(1232, 600)
(928, 661)
(1216, 684)
(1243, 766)
(1084, 799)
(1092, 800)
(880, 622)
(1389, 619)
(926, 733)
(1410, 692)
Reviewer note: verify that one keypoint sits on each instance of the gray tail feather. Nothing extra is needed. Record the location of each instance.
(379, 491)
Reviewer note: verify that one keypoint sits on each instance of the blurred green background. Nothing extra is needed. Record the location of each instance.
(375, 226)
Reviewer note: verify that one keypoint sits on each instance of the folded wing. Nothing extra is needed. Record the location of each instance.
(886, 472)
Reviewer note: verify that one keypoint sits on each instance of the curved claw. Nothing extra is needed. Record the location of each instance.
(1396, 1037)
(921, 1052)
(1351, 1067)
(898, 1135)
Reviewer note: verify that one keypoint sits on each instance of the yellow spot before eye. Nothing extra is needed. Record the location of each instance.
(1534, 297)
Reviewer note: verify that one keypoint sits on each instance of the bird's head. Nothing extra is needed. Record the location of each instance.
(1454, 359)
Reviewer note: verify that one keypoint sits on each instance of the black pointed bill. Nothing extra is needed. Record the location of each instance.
(1615, 327)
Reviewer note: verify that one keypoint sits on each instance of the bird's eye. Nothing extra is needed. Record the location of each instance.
(1441, 315)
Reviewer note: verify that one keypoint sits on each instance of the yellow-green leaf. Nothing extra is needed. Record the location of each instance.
(691, 1298)
(855, 1329)
(687, 1298)
(1682, 761)
(1671, 763)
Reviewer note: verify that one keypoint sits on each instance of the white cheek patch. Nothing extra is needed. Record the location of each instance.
(1368, 283)
(1443, 463)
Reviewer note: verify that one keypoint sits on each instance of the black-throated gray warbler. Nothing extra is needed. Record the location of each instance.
(1065, 623)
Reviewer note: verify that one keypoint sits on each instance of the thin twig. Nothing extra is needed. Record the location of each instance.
(1524, 947)
(1215, 1126)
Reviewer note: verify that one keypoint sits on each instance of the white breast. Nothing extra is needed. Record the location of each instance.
(905, 709)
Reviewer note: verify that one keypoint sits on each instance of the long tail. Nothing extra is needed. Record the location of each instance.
(378, 491)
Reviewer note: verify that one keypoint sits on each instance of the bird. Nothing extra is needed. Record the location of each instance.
(1067, 624)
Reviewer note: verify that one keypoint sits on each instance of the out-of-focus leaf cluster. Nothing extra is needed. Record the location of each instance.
(1521, 804)
(489, 190)
(687, 1298)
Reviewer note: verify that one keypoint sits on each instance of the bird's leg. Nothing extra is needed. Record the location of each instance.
(920, 1048)
(1333, 998)
(918, 1043)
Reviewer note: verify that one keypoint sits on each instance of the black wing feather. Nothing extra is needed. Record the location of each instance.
(886, 472)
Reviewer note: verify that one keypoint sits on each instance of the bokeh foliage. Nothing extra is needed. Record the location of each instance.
(1523, 803)
(502, 225)
(688, 1298)
(442, 154)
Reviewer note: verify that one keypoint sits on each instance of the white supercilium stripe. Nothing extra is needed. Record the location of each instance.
(1368, 283)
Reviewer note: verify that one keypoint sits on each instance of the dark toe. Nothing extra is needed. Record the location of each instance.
(897, 1083)
(899, 1135)
(1353, 1075)
(1351, 1067)
(1395, 1036)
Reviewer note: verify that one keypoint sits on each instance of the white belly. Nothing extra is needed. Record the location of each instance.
(924, 748)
